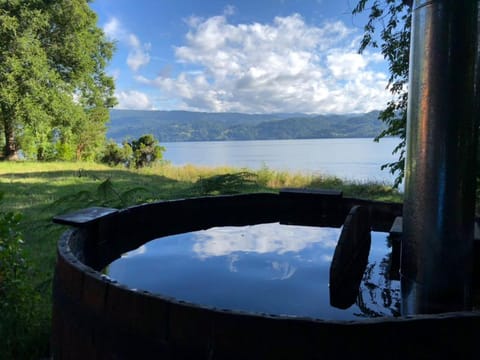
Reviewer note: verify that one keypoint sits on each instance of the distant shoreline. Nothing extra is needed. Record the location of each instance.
(184, 126)
(288, 139)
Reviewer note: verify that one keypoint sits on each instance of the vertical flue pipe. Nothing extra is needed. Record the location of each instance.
(436, 259)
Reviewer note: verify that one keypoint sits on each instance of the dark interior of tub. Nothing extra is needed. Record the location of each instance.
(267, 268)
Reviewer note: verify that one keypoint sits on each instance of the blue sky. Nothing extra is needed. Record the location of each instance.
(252, 56)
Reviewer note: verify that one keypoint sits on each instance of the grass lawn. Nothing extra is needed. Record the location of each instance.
(40, 191)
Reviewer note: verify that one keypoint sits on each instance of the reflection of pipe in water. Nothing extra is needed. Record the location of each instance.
(438, 212)
(350, 258)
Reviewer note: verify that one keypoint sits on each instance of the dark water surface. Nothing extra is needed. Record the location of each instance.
(266, 268)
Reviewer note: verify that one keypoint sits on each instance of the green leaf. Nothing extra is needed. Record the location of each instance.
(392, 20)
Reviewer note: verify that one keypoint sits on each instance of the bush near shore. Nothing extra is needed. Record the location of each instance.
(38, 191)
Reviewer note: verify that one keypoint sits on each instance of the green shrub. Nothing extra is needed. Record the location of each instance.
(19, 317)
(233, 183)
(145, 151)
(114, 154)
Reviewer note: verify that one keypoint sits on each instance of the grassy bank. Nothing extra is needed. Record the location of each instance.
(40, 191)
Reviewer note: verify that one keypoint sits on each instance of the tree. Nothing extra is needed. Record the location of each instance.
(55, 94)
(146, 150)
(394, 17)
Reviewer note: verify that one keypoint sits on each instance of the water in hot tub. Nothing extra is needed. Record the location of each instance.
(266, 268)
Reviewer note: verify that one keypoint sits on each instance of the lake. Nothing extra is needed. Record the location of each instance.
(352, 159)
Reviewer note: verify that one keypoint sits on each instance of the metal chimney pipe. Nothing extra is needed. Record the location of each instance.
(439, 203)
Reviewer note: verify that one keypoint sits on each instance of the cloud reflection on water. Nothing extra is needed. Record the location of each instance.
(284, 269)
(140, 251)
(261, 239)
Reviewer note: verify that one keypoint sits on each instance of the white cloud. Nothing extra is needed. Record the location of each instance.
(284, 66)
(115, 73)
(139, 54)
(229, 10)
(133, 100)
(113, 29)
(133, 41)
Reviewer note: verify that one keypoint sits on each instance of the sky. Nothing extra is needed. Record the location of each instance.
(248, 56)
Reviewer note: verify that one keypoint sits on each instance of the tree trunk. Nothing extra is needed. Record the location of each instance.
(11, 152)
(40, 153)
(79, 151)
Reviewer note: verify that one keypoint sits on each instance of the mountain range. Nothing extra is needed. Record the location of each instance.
(170, 126)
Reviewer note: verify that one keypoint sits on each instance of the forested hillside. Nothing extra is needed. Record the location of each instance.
(170, 126)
